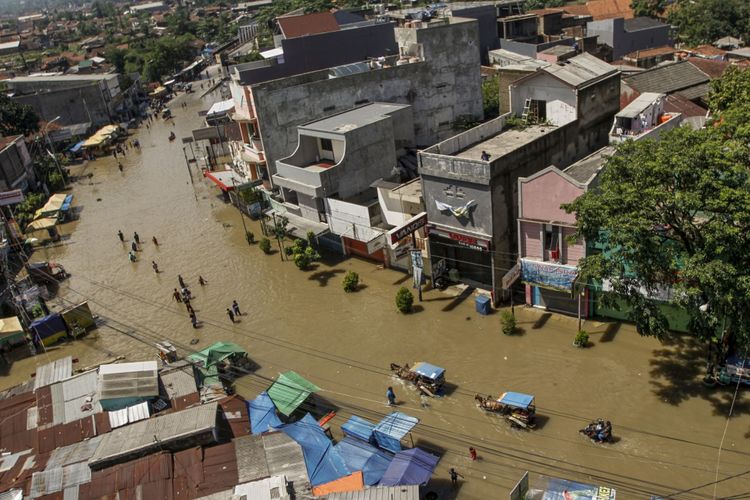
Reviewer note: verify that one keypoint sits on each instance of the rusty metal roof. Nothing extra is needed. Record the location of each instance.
(152, 434)
(235, 412)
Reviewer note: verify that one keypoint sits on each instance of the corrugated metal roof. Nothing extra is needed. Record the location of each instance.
(410, 492)
(153, 433)
(251, 458)
(74, 453)
(581, 69)
(178, 379)
(270, 488)
(284, 457)
(128, 380)
(223, 495)
(75, 398)
(56, 371)
(219, 469)
(129, 415)
(667, 79)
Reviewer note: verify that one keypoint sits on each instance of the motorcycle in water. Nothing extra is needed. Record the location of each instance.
(598, 431)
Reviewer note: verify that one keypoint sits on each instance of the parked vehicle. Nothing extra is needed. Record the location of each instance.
(516, 407)
(428, 378)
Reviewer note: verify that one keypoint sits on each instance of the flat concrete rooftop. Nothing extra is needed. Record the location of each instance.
(504, 142)
(355, 118)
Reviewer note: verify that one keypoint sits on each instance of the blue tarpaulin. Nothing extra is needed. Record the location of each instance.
(517, 399)
(76, 147)
(359, 428)
(48, 325)
(359, 455)
(323, 462)
(262, 414)
(412, 466)
(66, 204)
(389, 431)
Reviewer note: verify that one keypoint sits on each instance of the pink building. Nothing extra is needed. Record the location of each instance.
(548, 260)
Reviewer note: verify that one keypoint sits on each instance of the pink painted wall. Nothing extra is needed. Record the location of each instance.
(541, 198)
(572, 253)
(531, 245)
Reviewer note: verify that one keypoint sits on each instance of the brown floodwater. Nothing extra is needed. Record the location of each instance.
(668, 425)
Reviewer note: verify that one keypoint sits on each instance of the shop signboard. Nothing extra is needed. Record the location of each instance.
(375, 244)
(463, 240)
(402, 250)
(554, 276)
(409, 227)
(11, 197)
(511, 276)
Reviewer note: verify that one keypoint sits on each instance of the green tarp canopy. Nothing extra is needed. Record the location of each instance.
(208, 359)
(289, 391)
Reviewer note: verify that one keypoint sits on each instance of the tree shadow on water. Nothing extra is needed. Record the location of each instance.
(322, 277)
(677, 372)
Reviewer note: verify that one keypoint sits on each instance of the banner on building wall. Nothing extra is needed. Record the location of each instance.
(546, 275)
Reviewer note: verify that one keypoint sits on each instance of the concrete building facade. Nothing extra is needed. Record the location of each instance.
(470, 180)
(16, 167)
(547, 258)
(624, 36)
(437, 73)
(77, 99)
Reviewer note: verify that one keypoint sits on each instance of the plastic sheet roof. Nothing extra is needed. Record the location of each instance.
(414, 466)
(289, 391)
(262, 412)
(389, 431)
(516, 399)
(552, 488)
(364, 457)
(323, 462)
(359, 428)
(208, 359)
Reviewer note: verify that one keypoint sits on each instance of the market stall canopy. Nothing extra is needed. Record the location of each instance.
(53, 205)
(219, 109)
(40, 224)
(359, 428)
(352, 482)
(11, 330)
(226, 179)
(158, 91)
(289, 391)
(364, 457)
(262, 412)
(389, 431)
(48, 326)
(414, 466)
(101, 135)
(209, 358)
(323, 462)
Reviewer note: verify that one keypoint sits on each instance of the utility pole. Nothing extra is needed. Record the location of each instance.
(242, 215)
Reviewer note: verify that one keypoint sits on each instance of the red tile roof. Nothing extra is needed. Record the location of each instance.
(675, 103)
(308, 24)
(602, 9)
(711, 67)
(657, 51)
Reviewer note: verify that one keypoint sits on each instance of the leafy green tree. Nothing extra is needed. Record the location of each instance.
(179, 22)
(15, 118)
(674, 214)
(730, 103)
(543, 4)
(404, 300)
(648, 8)
(705, 21)
(491, 97)
(117, 58)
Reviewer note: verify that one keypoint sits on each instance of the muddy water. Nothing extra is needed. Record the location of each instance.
(669, 426)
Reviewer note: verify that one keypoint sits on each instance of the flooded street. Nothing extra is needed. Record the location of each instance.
(668, 425)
